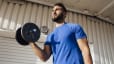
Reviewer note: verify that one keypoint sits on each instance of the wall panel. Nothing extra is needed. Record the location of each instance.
(50, 23)
(45, 16)
(112, 41)
(70, 17)
(12, 52)
(39, 15)
(84, 23)
(14, 17)
(102, 43)
(94, 51)
(3, 10)
(33, 13)
(75, 18)
(8, 15)
(67, 18)
(90, 38)
(21, 15)
(80, 19)
(96, 44)
(28, 12)
(105, 42)
(1, 3)
(109, 43)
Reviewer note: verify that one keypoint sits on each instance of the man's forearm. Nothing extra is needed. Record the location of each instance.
(39, 52)
(87, 57)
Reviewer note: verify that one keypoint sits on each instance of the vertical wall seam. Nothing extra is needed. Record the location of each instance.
(4, 14)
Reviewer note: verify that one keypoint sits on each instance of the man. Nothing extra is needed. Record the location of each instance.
(68, 42)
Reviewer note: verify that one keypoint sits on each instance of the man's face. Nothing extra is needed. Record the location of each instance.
(58, 14)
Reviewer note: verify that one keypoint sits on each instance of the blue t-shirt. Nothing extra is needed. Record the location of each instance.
(63, 42)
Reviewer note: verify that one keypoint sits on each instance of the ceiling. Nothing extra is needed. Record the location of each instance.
(101, 8)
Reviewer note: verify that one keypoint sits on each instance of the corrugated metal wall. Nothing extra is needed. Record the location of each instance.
(100, 33)
(13, 15)
(13, 53)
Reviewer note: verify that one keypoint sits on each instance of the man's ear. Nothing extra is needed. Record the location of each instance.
(65, 14)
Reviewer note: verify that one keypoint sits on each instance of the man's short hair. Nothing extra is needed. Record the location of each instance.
(61, 5)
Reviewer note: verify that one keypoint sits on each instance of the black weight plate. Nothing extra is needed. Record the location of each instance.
(19, 38)
(30, 32)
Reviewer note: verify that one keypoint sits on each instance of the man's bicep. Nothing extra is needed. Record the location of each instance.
(83, 43)
(47, 49)
(79, 32)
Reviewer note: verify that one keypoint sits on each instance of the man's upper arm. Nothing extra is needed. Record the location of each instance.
(79, 32)
(47, 44)
(47, 49)
(83, 43)
(81, 38)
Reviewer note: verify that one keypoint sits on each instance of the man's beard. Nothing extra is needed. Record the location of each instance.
(58, 19)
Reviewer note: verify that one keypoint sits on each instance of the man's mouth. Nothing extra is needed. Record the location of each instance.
(54, 16)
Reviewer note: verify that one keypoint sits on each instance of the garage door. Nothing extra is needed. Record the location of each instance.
(13, 53)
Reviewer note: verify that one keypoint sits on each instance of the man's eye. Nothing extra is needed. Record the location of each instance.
(58, 9)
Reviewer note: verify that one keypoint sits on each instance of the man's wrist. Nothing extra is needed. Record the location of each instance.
(31, 43)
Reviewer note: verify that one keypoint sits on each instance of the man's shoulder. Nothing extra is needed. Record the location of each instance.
(73, 25)
(50, 34)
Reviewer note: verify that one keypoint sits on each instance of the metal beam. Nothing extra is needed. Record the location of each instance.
(77, 11)
(51, 4)
(106, 7)
(41, 2)
(16, 1)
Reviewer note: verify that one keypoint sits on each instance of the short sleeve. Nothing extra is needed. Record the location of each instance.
(79, 32)
(48, 40)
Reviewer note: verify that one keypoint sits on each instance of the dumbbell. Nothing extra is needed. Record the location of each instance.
(29, 32)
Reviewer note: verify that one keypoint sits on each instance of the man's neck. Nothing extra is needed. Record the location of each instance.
(59, 24)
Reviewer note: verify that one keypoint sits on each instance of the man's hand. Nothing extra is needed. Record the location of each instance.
(43, 54)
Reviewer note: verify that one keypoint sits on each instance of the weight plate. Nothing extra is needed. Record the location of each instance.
(19, 38)
(30, 32)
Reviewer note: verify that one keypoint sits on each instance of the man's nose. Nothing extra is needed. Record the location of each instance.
(54, 12)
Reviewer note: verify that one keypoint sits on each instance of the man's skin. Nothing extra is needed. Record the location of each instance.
(45, 53)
